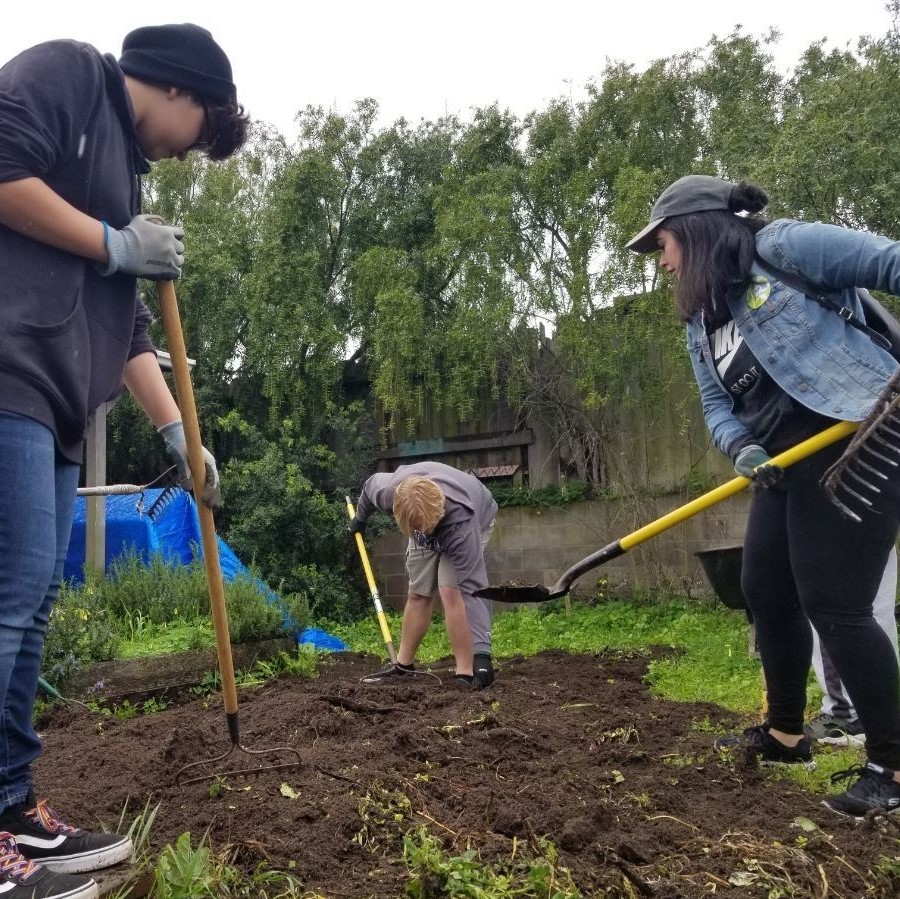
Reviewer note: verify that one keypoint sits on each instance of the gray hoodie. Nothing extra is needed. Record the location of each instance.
(469, 508)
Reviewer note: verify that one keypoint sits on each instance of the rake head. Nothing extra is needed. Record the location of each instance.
(872, 456)
(213, 766)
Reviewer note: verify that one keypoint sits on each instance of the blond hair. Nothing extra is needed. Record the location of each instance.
(418, 505)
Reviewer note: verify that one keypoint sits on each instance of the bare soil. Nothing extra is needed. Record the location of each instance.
(573, 748)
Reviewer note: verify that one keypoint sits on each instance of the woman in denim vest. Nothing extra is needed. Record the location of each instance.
(775, 367)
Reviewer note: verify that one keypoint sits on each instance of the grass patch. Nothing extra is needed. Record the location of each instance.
(169, 636)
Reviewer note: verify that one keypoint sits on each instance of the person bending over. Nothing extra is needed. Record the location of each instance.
(448, 516)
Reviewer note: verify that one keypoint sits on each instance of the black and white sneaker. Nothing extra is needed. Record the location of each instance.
(390, 674)
(769, 751)
(874, 790)
(47, 841)
(21, 878)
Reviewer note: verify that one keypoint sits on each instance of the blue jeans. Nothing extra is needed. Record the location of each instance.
(37, 497)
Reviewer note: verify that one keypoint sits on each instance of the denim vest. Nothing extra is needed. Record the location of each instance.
(809, 351)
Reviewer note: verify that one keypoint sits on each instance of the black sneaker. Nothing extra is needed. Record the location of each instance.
(484, 671)
(21, 878)
(768, 750)
(389, 673)
(835, 731)
(46, 840)
(465, 680)
(875, 790)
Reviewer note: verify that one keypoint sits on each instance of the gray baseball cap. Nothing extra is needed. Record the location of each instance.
(693, 193)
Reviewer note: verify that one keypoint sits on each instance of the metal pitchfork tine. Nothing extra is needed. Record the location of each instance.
(871, 438)
(185, 391)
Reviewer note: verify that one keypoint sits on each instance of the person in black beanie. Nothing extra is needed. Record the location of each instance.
(77, 129)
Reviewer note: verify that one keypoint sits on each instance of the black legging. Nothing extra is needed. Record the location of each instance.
(805, 562)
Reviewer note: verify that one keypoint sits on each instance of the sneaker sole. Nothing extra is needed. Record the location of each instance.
(858, 818)
(88, 891)
(844, 740)
(84, 862)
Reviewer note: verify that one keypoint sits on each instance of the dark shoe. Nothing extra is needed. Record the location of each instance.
(769, 750)
(389, 674)
(835, 731)
(21, 878)
(43, 838)
(465, 680)
(484, 671)
(875, 790)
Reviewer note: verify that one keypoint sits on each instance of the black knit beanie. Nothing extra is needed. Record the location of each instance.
(183, 56)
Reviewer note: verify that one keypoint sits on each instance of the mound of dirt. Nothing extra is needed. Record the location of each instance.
(568, 747)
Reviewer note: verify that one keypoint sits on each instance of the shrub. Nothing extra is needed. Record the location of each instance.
(251, 616)
(330, 595)
(80, 630)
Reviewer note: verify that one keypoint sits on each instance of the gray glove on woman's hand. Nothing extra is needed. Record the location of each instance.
(146, 247)
(176, 447)
(753, 462)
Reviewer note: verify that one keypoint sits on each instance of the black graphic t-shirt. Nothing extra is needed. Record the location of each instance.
(775, 418)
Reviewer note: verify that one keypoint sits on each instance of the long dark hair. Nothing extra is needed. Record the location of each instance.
(717, 250)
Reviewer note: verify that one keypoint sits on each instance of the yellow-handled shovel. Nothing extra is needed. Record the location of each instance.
(373, 588)
(539, 593)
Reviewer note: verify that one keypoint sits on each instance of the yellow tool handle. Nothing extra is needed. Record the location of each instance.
(736, 485)
(184, 390)
(373, 589)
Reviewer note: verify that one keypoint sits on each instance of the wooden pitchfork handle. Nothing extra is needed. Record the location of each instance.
(185, 392)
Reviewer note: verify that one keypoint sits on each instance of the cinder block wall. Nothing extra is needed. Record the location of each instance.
(536, 545)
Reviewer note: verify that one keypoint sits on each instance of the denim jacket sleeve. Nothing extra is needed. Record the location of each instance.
(728, 434)
(832, 256)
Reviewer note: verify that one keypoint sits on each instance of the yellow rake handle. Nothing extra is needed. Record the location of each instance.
(373, 589)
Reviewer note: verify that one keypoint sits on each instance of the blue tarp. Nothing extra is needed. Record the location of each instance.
(164, 522)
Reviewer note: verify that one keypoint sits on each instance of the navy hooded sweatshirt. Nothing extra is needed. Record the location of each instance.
(66, 331)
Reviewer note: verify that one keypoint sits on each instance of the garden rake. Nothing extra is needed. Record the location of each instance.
(373, 587)
(874, 449)
(185, 393)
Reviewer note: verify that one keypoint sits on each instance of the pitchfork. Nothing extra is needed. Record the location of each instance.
(869, 452)
(185, 392)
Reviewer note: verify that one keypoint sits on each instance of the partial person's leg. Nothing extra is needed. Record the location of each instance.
(838, 565)
(24, 743)
(783, 632)
(836, 702)
(458, 632)
(30, 536)
(416, 621)
(473, 650)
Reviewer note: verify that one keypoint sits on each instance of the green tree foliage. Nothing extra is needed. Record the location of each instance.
(416, 265)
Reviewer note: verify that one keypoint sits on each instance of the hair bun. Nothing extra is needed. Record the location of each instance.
(747, 197)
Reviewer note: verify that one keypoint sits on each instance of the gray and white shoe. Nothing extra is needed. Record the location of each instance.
(835, 731)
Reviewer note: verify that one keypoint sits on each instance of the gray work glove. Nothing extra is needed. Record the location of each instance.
(176, 448)
(753, 462)
(145, 247)
(356, 526)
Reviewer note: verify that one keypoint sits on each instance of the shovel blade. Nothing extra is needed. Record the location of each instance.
(517, 593)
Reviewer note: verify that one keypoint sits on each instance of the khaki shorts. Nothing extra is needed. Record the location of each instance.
(429, 569)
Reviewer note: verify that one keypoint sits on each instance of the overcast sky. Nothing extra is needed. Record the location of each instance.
(424, 59)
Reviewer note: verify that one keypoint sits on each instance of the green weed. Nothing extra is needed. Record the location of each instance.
(435, 872)
(184, 872)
